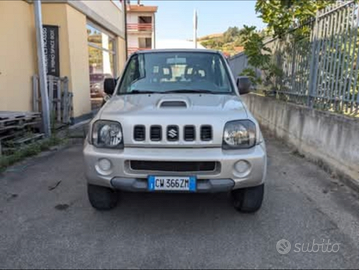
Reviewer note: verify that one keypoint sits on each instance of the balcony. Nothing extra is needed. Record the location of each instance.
(139, 27)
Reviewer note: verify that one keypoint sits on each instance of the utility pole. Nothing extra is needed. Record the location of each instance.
(42, 69)
(195, 22)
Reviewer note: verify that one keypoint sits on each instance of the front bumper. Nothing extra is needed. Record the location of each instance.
(121, 176)
(203, 186)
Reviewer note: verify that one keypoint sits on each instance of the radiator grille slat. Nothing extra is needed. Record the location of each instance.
(173, 133)
(206, 133)
(189, 133)
(156, 133)
(139, 133)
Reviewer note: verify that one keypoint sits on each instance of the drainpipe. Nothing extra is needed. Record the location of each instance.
(126, 41)
(42, 69)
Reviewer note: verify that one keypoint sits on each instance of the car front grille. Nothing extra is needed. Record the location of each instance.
(172, 166)
(206, 133)
(156, 133)
(189, 133)
(172, 133)
(139, 133)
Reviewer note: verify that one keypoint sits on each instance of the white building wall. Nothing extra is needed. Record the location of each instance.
(132, 41)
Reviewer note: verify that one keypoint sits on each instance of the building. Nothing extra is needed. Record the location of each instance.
(90, 38)
(141, 27)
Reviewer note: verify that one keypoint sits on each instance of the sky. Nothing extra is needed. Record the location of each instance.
(174, 19)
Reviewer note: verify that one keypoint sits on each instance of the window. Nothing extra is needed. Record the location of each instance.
(102, 58)
(145, 43)
(144, 19)
(172, 71)
(102, 53)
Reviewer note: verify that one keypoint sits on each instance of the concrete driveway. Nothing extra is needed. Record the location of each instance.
(47, 222)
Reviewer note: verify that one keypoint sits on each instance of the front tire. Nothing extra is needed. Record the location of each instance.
(248, 200)
(102, 198)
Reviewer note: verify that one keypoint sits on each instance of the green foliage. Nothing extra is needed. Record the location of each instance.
(227, 42)
(213, 44)
(29, 150)
(251, 73)
(231, 34)
(282, 15)
(258, 54)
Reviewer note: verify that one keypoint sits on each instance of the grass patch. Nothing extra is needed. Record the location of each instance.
(29, 150)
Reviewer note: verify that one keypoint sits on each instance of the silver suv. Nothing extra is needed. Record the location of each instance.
(176, 123)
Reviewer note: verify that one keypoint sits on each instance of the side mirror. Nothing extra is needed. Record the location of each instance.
(243, 84)
(109, 86)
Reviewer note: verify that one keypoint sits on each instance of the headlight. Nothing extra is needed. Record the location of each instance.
(239, 134)
(107, 134)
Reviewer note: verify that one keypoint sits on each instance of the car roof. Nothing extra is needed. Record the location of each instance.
(177, 50)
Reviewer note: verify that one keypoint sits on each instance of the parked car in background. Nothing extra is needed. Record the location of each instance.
(96, 84)
(176, 123)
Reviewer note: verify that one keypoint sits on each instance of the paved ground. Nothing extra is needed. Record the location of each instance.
(47, 222)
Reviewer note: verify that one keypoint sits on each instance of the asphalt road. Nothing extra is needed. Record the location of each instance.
(47, 222)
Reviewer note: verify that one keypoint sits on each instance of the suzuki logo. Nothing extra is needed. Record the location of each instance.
(172, 133)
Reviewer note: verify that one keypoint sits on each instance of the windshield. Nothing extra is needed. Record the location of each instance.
(186, 72)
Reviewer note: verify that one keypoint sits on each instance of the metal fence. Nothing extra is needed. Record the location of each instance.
(238, 63)
(60, 99)
(319, 61)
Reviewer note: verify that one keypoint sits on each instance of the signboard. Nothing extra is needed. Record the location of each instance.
(51, 49)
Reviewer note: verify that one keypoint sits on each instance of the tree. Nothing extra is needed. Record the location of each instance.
(282, 15)
(226, 42)
(231, 34)
(259, 56)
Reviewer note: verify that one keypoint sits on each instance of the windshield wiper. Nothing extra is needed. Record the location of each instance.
(142, 92)
(190, 91)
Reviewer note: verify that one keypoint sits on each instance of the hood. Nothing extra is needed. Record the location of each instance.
(169, 110)
(174, 104)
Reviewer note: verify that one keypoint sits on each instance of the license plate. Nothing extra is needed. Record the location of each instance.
(171, 183)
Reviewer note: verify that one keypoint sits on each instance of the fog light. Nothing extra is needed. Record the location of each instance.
(104, 166)
(242, 167)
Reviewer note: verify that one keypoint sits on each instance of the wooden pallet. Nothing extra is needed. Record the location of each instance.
(29, 139)
(60, 98)
(18, 120)
(15, 128)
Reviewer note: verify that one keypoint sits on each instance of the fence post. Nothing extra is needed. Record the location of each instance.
(313, 64)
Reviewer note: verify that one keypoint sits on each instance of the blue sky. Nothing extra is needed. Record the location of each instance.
(174, 19)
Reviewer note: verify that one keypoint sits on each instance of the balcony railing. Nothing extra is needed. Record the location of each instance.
(135, 49)
(134, 27)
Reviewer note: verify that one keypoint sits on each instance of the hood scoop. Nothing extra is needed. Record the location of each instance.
(173, 104)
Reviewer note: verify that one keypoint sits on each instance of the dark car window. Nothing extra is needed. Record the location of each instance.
(171, 71)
